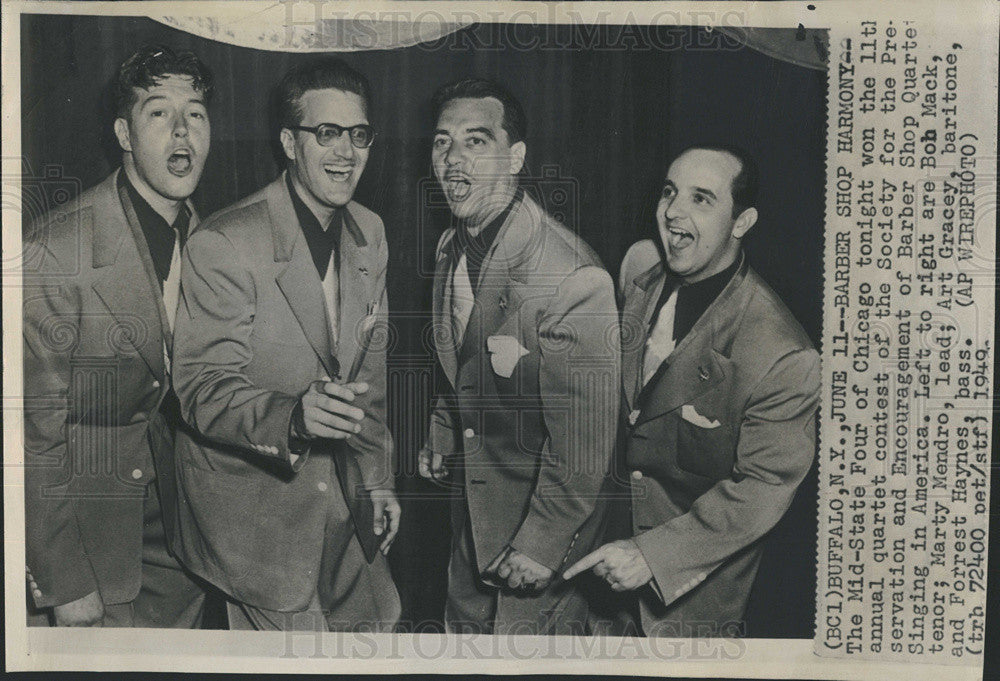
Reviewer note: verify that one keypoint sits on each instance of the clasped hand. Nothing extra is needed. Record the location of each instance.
(327, 411)
(520, 571)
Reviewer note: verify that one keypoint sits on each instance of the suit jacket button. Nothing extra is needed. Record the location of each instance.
(470, 433)
(136, 474)
(321, 486)
(637, 475)
(156, 384)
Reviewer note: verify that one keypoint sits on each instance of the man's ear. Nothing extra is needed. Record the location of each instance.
(517, 151)
(122, 133)
(288, 143)
(746, 220)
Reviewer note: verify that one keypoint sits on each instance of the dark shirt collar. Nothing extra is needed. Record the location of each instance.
(694, 299)
(322, 243)
(477, 247)
(160, 235)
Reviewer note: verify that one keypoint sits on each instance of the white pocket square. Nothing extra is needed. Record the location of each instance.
(505, 353)
(689, 414)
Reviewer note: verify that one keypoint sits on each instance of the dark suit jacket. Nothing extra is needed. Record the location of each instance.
(532, 392)
(251, 335)
(717, 444)
(94, 334)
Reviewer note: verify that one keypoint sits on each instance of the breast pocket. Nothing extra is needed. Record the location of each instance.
(705, 450)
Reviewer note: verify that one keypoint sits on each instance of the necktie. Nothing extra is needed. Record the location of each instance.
(171, 283)
(333, 231)
(660, 343)
(462, 300)
(180, 226)
(330, 275)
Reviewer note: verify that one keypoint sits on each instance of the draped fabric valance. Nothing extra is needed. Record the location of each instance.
(277, 30)
(316, 28)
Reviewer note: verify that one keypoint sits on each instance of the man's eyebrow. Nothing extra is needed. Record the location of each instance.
(707, 192)
(152, 98)
(440, 131)
(482, 131)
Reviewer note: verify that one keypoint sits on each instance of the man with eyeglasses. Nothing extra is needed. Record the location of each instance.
(289, 508)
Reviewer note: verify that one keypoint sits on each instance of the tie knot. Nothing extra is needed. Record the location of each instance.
(336, 218)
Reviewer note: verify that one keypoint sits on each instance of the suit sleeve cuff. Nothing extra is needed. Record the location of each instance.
(545, 544)
(75, 581)
(670, 580)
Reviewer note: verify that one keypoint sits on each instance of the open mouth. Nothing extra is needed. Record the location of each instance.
(338, 173)
(457, 188)
(678, 238)
(179, 163)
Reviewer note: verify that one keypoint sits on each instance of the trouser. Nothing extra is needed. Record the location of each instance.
(350, 595)
(475, 607)
(169, 596)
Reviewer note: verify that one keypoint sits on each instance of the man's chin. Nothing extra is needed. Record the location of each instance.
(178, 189)
(459, 208)
(339, 200)
(678, 267)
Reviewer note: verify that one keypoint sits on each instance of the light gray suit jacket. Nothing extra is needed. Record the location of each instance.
(533, 397)
(251, 335)
(718, 443)
(94, 376)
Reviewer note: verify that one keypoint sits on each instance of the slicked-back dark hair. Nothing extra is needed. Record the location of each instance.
(321, 73)
(746, 184)
(514, 122)
(151, 63)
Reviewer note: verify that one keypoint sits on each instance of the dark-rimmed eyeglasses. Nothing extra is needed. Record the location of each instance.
(327, 134)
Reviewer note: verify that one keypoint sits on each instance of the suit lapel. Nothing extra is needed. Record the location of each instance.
(298, 280)
(636, 317)
(357, 275)
(493, 302)
(444, 341)
(701, 360)
(127, 284)
(695, 370)
(492, 305)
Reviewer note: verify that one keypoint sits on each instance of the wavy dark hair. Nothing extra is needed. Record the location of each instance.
(514, 121)
(151, 63)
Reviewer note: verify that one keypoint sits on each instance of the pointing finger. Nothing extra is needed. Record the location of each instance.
(585, 563)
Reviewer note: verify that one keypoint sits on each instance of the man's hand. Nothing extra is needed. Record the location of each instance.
(520, 571)
(386, 508)
(83, 612)
(431, 465)
(327, 412)
(620, 563)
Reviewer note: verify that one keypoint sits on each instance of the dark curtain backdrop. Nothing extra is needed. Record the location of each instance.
(602, 125)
